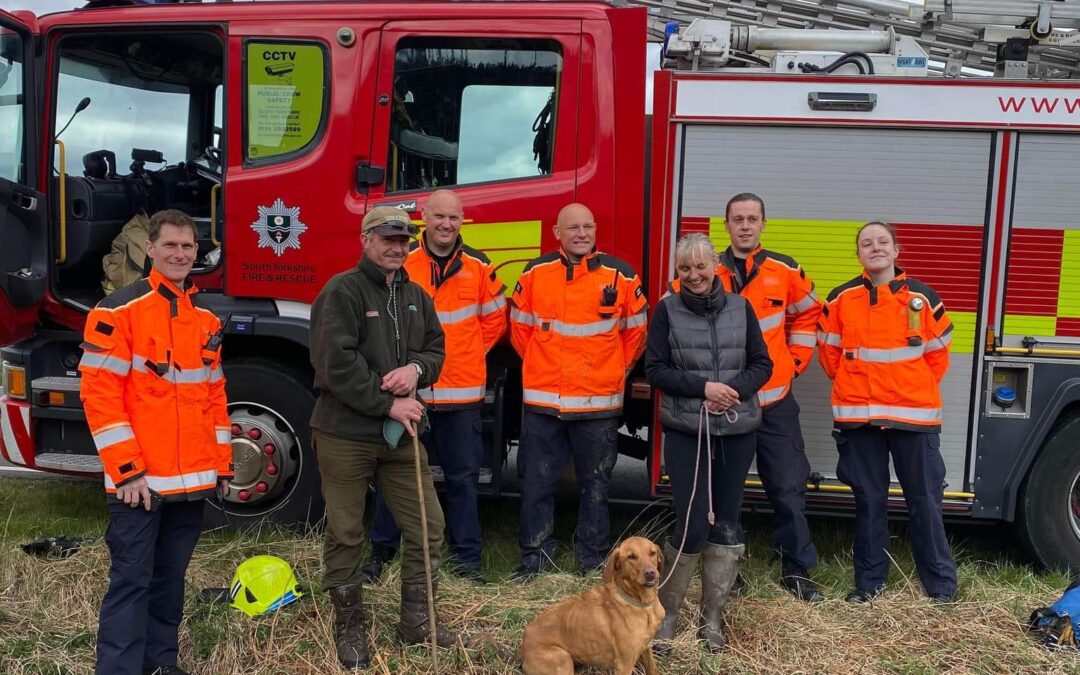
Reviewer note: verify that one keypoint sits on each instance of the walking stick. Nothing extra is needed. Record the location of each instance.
(427, 552)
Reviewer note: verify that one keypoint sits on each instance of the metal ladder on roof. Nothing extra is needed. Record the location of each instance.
(1014, 38)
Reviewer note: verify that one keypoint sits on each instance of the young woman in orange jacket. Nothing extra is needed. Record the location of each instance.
(884, 339)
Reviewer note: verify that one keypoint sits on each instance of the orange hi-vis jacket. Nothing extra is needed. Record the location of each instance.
(579, 328)
(471, 304)
(776, 288)
(886, 349)
(153, 390)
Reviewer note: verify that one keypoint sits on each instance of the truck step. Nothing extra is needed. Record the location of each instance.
(56, 384)
(67, 462)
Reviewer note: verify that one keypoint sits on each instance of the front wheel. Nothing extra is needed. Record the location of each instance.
(277, 475)
(1049, 514)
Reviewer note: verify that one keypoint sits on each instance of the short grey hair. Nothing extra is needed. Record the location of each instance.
(694, 247)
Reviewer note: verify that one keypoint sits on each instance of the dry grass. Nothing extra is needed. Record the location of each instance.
(48, 616)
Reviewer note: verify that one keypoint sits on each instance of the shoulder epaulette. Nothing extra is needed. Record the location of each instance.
(785, 260)
(123, 296)
(857, 282)
(475, 253)
(624, 268)
(542, 260)
(924, 289)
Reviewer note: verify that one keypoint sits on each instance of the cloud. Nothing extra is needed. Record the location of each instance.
(40, 7)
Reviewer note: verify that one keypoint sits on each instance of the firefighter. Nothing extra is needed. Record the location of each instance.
(154, 397)
(577, 320)
(471, 304)
(782, 296)
(375, 338)
(705, 350)
(884, 341)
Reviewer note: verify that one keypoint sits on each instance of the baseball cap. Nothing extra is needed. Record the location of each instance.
(389, 221)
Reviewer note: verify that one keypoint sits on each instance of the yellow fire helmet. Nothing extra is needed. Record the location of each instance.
(262, 584)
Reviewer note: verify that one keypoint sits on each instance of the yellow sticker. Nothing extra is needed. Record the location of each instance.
(285, 93)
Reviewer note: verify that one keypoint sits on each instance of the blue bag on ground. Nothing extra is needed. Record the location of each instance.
(1058, 626)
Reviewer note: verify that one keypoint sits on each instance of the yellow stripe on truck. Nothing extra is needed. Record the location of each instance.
(1069, 289)
(826, 250)
(510, 246)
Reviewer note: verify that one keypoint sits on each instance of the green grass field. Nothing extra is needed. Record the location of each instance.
(48, 608)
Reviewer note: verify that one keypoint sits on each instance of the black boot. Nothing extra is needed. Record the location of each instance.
(718, 571)
(350, 635)
(376, 563)
(414, 628)
(671, 596)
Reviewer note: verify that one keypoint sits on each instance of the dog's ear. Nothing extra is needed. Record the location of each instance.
(614, 562)
(659, 558)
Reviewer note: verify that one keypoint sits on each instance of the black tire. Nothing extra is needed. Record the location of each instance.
(1049, 506)
(278, 394)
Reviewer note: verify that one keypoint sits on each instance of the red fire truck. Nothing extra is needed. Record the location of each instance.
(279, 124)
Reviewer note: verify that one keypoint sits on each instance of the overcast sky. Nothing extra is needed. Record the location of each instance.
(40, 6)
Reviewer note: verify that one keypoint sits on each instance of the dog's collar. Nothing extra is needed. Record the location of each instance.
(629, 600)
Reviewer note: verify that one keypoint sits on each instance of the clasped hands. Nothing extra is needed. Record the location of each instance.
(719, 397)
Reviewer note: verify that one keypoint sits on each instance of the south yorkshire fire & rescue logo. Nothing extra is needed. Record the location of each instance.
(279, 227)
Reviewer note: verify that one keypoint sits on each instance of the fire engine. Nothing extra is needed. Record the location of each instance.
(279, 124)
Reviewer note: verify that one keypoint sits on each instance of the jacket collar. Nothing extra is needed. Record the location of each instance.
(589, 262)
(898, 281)
(453, 265)
(167, 288)
(751, 264)
(372, 271)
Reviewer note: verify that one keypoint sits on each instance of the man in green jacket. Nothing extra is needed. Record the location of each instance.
(375, 338)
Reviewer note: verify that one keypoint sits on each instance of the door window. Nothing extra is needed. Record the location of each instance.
(12, 109)
(285, 98)
(469, 110)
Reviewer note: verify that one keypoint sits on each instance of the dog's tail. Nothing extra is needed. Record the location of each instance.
(481, 640)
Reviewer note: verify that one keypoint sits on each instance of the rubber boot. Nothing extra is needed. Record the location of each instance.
(671, 596)
(719, 568)
(350, 636)
(414, 628)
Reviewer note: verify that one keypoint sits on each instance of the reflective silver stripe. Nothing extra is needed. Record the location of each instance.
(572, 402)
(521, 317)
(104, 362)
(831, 339)
(458, 315)
(425, 393)
(456, 394)
(583, 329)
(215, 374)
(771, 321)
(113, 435)
(767, 396)
(873, 411)
(223, 435)
(802, 305)
(801, 339)
(636, 320)
(493, 306)
(942, 342)
(890, 355)
(173, 483)
(194, 376)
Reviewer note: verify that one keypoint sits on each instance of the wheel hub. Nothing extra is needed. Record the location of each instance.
(264, 455)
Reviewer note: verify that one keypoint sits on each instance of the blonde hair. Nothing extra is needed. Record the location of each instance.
(694, 247)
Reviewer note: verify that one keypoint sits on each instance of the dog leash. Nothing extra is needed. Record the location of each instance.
(732, 416)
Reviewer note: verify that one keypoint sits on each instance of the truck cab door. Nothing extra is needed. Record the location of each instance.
(22, 205)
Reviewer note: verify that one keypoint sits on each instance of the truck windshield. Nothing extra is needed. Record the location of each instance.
(11, 106)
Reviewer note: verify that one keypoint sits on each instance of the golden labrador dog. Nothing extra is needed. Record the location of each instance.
(610, 625)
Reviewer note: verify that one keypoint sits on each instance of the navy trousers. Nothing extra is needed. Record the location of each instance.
(547, 444)
(864, 465)
(141, 612)
(455, 443)
(784, 469)
(730, 460)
